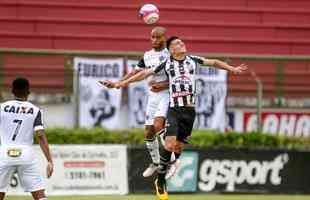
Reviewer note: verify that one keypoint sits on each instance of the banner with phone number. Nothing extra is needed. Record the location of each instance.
(82, 170)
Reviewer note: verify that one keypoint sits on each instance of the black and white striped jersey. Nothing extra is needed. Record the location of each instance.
(152, 59)
(181, 74)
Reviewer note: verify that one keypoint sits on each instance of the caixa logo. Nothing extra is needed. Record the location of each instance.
(234, 172)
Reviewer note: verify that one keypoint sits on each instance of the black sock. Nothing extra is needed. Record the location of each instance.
(165, 157)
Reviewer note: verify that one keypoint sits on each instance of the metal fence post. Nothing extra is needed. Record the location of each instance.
(259, 105)
(259, 101)
(76, 95)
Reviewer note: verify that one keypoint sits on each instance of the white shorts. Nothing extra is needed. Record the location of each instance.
(26, 168)
(157, 106)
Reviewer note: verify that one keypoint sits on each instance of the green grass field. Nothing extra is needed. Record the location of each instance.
(175, 197)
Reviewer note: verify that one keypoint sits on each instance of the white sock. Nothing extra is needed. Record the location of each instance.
(153, 148)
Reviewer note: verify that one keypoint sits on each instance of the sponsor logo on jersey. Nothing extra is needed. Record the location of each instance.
(181, 94)
(18, 109)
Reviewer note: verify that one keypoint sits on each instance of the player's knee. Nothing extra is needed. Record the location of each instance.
(158, 126)
(169, 145)
(178, 147)
(149, 132)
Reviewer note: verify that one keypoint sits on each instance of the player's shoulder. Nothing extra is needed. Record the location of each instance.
(32, 105)
(9, 102)
(192, 56)
(152, 52)
(149, 52)
(196, 58)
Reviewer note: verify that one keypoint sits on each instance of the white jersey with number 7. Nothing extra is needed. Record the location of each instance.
(18, 121)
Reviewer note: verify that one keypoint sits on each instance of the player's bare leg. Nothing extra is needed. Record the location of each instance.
(159, 125)
(152, 147)
(39, 195)
(2, 195)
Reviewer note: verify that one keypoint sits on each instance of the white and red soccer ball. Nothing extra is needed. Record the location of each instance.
(149, 13)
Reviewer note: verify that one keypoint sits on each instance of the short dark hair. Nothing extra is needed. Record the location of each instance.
(20, 87)
(171, 39)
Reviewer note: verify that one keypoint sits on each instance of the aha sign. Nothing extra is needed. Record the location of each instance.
(285, 123)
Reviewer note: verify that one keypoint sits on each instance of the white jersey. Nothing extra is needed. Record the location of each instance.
(152, 59)
(18, 121)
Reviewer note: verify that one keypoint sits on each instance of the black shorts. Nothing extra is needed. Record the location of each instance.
(180, 121)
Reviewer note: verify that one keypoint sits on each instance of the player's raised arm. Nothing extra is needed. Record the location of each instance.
(142, 75)
(158, 86)
(138, 68)
(135, 78)
(131, 73)
(124, 83)
(223, 65)
(220, 64)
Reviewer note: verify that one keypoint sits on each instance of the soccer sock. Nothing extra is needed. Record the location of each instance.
(165, 157)
(153, 148)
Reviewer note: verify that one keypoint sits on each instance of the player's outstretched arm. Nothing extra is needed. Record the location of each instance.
(45, 148)
(158, 86)
(124, 83)
(223, 65)
(111, 84)
(137, 77)
(132, 73)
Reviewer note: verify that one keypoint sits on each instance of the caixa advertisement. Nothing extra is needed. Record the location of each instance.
(230, 170)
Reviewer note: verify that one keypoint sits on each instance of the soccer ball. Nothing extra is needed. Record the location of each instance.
(149, 13)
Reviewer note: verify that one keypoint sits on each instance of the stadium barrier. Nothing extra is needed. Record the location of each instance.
(229, 171)
(83, 170)
(117, 169)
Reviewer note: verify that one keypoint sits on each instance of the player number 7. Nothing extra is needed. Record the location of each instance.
(19, 123)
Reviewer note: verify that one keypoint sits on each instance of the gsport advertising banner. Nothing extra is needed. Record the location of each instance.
(253, 171)
(211, 92)
(99, 106)
(137, 95)
(83, 170)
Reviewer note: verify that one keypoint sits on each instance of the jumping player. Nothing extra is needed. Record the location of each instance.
(158, 98)
(181, 69)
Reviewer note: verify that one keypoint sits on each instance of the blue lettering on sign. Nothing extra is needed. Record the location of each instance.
(99, 70)
(209, 71)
